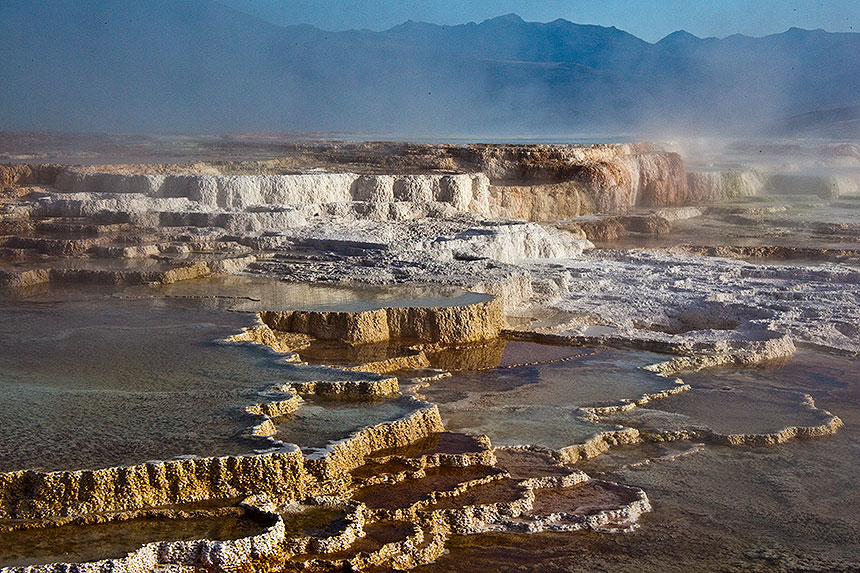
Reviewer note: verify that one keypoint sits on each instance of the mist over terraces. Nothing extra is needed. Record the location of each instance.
(168, 65)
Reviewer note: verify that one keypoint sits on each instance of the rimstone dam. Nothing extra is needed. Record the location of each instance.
(373, 356)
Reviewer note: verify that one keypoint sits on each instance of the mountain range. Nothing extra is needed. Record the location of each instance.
(198, 66)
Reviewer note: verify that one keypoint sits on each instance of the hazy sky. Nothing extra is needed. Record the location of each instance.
(648, 19)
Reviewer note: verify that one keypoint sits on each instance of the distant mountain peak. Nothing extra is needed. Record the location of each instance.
(678, 37)
(511, 18)
(795, 31)
(683, 34)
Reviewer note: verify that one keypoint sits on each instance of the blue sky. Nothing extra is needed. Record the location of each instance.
(648, 19)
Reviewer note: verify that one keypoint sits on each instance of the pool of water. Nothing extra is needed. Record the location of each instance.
(303, 520)
(321, 421)
(253, 294)
(81, 543)
(542, 403)
(500, 353)
(750, 400)
(91, 380)
(733, 410)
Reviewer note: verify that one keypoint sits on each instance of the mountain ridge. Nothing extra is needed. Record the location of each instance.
(159, 65)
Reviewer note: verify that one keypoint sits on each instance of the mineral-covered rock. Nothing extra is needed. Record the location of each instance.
(716, 186)
(481, 320)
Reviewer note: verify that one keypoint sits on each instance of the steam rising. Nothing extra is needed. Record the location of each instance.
(173, 66)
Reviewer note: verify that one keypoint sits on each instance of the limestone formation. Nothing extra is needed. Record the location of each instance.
(108, 276)
(31, 494)
(657, 427)
(540, 202)
(662, 180)
(717, 186)
(19, 174)
(241, 192)
(826, 187)
(482, 320)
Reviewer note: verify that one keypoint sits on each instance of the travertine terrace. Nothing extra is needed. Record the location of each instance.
(507, 235)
